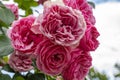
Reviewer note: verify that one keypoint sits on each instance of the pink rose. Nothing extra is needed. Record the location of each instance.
(89, 41)
(61, 24)
(84, 7)
(23, 39)
(36, 24)
(13, 8)
(79, 66)
(51, 58)
(20, 63)
(41, 1)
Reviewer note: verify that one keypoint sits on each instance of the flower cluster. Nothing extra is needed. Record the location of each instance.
(60, 40)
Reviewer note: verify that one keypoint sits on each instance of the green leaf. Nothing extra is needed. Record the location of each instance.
(117, 66)
(7, 68)
(92, 4)
(29, 74)
(5, 0)
(34, 4)
(37, 76)
(26, 5)
(5, 77)
(6, 16)
(5, 58)
(2, 30)
(117, 75)
(50, 77)
(28, 12)
(19, 78)
(93, 74)
(1, 5)
(5, 46)
(17, 74)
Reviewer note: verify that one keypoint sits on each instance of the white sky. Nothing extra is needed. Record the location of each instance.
(108, 24)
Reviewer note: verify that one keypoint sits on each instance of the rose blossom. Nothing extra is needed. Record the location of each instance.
(36, 24)
(84, 7)
(23, 39)
(13, 8)
(51, 58)
(89, 41)
(61, 24)
(41, 1)
(79, 66)
(20, 63)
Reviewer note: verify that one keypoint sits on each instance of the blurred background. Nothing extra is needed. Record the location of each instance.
(106, 59)
(103, 1)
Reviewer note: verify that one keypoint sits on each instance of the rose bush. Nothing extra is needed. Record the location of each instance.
(56, 44)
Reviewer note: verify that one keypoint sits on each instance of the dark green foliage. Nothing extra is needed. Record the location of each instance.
(7, 68)
(26, 5)
(6, 16)
(94, 74)
(92, 4)
(36, 76)
(117, 66)
(5, 46)
(5, 77)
